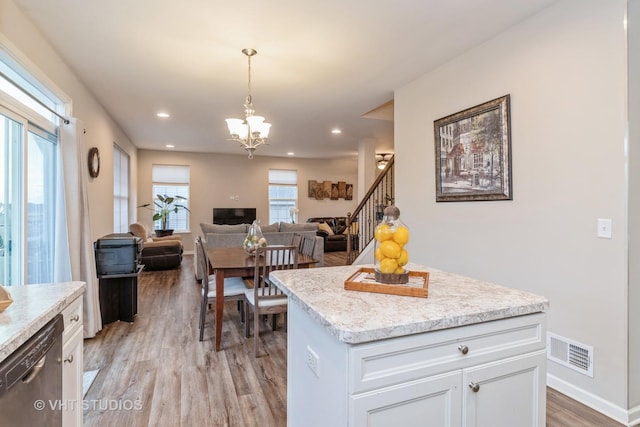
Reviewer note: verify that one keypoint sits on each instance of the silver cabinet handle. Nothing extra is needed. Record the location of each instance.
(75, 318)
(463, 349)
(474, 387)
(69, 359)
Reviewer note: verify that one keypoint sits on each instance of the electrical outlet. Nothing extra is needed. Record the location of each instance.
(313, 361)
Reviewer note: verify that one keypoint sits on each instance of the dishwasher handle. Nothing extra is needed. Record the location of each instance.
(35, 370)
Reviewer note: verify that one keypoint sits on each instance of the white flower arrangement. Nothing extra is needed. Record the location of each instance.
(293, 211)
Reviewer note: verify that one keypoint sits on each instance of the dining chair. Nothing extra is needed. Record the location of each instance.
(296, 240)
(307, 246)
(265, 298)
(234, 287)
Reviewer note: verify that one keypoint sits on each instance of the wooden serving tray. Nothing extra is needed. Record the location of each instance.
(5, 299)
(364, 280)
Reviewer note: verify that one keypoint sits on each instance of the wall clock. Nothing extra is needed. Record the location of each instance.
(94, 162)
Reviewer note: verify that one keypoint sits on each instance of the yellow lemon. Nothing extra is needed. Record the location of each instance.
(399, 270)
(390, 249)
(379, 254)
(383, 232)
(403, 259)
(401, 235)
(388, 265)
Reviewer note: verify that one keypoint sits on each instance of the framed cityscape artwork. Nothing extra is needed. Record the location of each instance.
(473, 153)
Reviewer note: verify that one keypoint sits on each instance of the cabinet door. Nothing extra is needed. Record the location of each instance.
(506, 393)
(72, 380)
(433, 401)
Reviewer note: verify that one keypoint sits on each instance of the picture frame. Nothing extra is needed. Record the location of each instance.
(326, 189)
(334, 191)
(311, 192)
(342, 189)
(473, 153)
(348, 192)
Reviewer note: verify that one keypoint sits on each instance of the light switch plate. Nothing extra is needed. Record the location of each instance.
(604, 228)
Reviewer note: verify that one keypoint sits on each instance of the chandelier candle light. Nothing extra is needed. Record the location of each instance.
(251, 132)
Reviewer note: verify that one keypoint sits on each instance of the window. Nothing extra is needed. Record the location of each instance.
(29, 172)
(283, 194)
(172, 181)
(120, 190)
(477, 160)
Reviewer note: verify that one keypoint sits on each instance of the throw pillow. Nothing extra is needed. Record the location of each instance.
(325, 227)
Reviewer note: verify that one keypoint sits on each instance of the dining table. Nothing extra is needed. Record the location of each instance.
(235, 262)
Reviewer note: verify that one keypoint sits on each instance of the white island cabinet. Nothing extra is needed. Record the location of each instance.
(72, 347)
(471, 354)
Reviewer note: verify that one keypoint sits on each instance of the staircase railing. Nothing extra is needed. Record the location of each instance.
(362, 222)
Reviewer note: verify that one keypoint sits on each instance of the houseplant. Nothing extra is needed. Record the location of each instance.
(166, 204)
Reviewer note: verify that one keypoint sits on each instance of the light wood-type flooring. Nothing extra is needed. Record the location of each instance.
(155, 372)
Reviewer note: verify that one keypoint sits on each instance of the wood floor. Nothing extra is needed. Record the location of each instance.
(155, 372)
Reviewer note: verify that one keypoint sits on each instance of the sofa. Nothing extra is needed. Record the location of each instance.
(333, 230)
(223, 236)
(158, 253)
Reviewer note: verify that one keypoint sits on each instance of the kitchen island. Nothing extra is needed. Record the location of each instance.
(472, 353)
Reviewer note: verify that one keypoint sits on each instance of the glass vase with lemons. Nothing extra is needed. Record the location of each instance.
(391, 256)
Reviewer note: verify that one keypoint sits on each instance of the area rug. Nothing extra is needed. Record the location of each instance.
(87, 379)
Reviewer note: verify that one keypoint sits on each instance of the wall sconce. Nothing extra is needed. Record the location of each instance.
(382, 160)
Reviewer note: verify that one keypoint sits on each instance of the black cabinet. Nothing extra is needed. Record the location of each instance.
(119, 297)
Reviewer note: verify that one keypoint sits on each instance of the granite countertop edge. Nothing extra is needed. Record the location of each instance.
(23, 320)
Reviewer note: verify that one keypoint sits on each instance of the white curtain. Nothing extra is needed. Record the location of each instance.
(81, 254)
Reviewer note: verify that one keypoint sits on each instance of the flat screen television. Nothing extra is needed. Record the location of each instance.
(233, 216)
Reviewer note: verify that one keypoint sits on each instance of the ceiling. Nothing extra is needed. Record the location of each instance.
(320, 64)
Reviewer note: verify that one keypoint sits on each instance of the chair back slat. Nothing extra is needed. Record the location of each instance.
(275, 258)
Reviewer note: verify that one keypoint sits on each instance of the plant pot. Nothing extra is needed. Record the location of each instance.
(163, 233)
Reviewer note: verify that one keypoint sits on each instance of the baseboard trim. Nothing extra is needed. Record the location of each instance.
(627, 417)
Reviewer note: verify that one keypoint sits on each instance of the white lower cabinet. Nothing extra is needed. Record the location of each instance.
(72, 361)
(503, 393)
(433, 401)
(507, 393)
(488, 374)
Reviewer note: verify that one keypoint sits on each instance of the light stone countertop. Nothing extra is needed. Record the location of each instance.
(33, 306)
(355, 317)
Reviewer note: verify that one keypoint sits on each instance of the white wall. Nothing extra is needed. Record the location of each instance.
(216, 177)
(101, 131)
(633, 19)
(566, 72)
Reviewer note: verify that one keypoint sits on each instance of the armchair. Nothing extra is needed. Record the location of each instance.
(158, 253)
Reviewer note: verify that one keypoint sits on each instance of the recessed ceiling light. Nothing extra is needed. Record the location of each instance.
(290, 153)
(170, 146)
(163, 115)
(336, 131)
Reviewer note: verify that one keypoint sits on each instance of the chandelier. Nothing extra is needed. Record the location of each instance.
(252, 131)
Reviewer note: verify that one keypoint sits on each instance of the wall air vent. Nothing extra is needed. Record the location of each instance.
(571, 354)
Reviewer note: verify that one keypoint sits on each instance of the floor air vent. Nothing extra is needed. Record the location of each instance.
(569, 353)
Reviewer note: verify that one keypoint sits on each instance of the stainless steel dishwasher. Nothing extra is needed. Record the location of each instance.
(31, 380)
